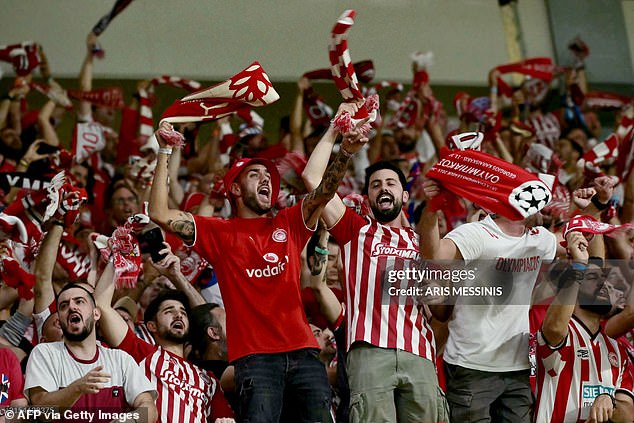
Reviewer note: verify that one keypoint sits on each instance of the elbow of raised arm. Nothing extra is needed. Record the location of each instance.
(309, 180)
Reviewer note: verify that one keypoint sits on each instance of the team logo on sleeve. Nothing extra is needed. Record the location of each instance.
(279, 235)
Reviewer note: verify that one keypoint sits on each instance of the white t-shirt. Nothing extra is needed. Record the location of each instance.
(52, 367)
(494, 337)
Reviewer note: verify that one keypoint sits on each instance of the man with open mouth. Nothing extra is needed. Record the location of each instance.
(383, 334)
(256, 257)
(80, 374)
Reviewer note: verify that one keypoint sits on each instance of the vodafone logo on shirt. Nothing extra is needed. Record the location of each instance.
(275, 268)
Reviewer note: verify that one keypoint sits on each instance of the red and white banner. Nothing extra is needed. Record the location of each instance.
(536, 67)
(589, 225)
(492, 183)
(88, 139)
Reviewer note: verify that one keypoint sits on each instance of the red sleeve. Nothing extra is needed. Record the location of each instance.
(16, 379)
(219, 405)
(337, 323)
(207, 232)
(348, 227)
(135, 346)
(296, 224)
(627, 381)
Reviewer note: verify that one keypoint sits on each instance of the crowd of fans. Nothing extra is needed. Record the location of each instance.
(260, 298)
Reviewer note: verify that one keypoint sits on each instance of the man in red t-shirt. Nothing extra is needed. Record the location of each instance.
(257, 260)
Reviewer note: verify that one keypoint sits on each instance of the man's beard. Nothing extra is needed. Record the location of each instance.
(385, 216)
(602, 309)
(78, 337)
(252, 203)
(593, 304)
(168, 335)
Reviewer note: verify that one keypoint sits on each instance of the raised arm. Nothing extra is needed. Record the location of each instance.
(296, 117)
(321, 197)
(170, 266)
(316, 168)
(85, 75)
(176, 221)
(44, 265)
(431, 245)
(113, 327)
(555, 325)
(329, 304)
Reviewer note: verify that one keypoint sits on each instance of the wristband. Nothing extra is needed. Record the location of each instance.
(578, 266)
(165, 150)
(494, 89)
(24, 163)
(322, 251)
(599, 205)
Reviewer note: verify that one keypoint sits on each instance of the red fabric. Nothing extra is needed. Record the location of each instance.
(364, 70)
(24, 57)
(368, 249)
(492, 183)
(129, 144)
(183, 388)
(343, 72)
(537, 67)
(311, 306)
(237, 168)
(589, 225)
(606, 101)
(625, 155)
(106, 97)
(317, 111)
(12, 382)
(15, 277)
(257, 264)
(250, 87)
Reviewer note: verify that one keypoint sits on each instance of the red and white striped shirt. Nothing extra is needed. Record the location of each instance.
(186, 393)
(370, 251)
(570, 377)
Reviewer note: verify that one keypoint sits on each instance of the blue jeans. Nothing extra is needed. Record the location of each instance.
(265, 383)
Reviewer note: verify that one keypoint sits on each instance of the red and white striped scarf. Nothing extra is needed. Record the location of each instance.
(146, 119)
(345, 78)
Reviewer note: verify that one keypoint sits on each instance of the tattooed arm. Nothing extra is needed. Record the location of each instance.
(176, 221)
(322, 201)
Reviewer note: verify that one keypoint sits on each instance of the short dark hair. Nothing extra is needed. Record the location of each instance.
(380, 166)
(165, 295)
(199, 320)
(72, 285)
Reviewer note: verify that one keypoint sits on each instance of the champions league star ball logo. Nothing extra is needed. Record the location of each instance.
(530, 197)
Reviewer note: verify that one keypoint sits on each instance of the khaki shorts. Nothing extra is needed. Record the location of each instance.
(386, 383)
